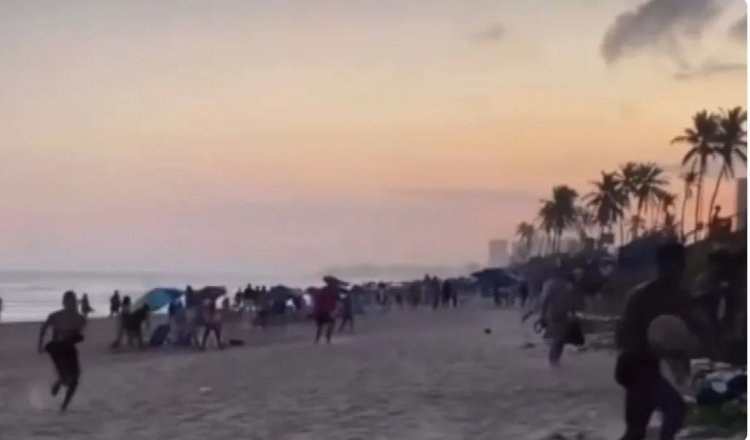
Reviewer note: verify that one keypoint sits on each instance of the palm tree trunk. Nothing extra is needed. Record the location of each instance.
(698, 197)
(682, 215)
(713, 196)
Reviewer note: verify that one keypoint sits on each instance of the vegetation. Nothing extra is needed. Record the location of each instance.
(635, 198)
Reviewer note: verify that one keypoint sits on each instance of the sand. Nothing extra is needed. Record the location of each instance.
(405, 375)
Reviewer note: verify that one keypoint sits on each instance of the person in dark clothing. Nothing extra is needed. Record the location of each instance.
(347, 312)
(325, 304)
(114, 304)
(67, 331)
(86, 309)
(637, 368)
(211, 324)
(523, 293)
(447, 293)
(132, 324)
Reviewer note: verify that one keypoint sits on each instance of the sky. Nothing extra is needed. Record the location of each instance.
(289, 136)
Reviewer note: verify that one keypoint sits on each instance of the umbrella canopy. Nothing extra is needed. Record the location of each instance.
(158, 298)
(495, 277)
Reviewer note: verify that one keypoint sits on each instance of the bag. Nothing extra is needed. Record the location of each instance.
(574, 334)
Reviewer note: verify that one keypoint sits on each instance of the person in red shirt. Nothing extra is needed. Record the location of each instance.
(325, 306)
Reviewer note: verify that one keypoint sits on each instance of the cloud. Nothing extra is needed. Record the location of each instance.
(657, 25)
(710, 68)
(492, 33)
(738, 31)
(466, 194)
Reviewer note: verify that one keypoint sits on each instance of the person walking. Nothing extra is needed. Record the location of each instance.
(638, 367)
(114, 304)
(86, 309)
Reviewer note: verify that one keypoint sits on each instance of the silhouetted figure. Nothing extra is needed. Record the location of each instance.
(347, 312)
(523, 293)
(325, 305)
(67, 331)
(638, 369)
(114, 304)
(132, 324)
(86, 309)
(211, 324)
(447, 293)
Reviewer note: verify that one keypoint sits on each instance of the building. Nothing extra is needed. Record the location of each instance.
(741, 203)
(499, 253)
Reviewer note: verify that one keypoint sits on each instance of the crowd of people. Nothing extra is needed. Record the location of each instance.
(663, 325)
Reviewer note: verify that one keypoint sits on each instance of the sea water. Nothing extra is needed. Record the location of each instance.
(32, 295)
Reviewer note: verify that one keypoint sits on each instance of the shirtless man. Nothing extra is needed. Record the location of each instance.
(67, 330)
(638, 365)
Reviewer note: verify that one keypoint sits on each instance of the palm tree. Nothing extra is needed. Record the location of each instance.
(525, 231)
(584, 221)
(731, 142)
(649, 188)
(699, 138)
(560, 211)
(609, 201)
(636, 224)
(666, 205)
(547, 221)
(689, 179)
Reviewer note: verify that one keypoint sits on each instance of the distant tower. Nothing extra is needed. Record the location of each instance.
(741, 203)
(499, 253)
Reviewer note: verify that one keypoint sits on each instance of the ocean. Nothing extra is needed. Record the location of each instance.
(32, 295)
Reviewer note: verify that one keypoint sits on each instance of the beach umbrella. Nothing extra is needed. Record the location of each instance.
(158, 298)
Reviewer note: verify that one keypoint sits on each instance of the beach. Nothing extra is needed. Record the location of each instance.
(404, 375)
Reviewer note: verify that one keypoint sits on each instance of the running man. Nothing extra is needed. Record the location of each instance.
(558, 306)
(67, 331)
(638, 365)
(325, 305)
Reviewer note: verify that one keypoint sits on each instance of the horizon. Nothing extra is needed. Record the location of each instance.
(248, 136)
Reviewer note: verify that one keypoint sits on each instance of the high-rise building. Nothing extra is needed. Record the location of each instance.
(499, 253)
(741, 202)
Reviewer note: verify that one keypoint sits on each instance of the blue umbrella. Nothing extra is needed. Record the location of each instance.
(159, 298)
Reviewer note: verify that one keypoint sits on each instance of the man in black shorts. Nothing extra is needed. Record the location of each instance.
(67, 331)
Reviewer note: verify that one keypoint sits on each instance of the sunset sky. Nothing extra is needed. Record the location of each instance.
(276, 136)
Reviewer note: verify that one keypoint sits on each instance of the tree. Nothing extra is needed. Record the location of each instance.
(699, 138)
(526, 232)
(559, 213)
(666, 205)
(648, 188)
(608, 201)
(688, 179)
(731, 142)
(547, 221)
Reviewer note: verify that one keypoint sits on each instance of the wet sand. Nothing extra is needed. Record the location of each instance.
(405, 375)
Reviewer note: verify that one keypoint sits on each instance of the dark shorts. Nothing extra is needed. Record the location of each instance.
(65, 358)
(323, 318)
